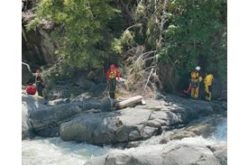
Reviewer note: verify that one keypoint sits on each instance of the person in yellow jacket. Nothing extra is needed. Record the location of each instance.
(194, 83)
(208, 81)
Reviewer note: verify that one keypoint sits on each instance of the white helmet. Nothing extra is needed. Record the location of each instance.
(198, 68)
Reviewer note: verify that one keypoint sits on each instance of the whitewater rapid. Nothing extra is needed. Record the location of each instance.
(54, 151)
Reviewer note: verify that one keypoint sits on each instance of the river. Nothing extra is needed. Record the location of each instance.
(54, 151)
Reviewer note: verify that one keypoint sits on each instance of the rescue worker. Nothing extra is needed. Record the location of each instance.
(208, 81)
(112, 75)
(194, 83)
(30, 89)
(39, 82)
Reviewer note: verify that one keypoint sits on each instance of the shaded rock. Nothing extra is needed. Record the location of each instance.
(134, 134)
(84, 83)
(154, 123)
(25, 124)
(81, 120)
(148, 132)
(27, 76)
(38, 48)
(99, 89)
(133, 144)
(164, 141)
(29, 104)
(45, 121)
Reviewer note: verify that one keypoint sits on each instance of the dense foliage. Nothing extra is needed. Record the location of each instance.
(175, 35)
(82, 34)
(196, 34)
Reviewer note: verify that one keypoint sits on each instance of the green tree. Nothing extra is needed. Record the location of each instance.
(196, 35)
(82, 34)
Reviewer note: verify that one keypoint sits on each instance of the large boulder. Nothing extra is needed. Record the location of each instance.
(132, 124)
(205, 127)
(46, 120)
(107, 128)
(29, 105)
(172, 154)
(220, 152)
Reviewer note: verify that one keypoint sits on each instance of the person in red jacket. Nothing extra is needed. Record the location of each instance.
(112, 75)
(31, 89)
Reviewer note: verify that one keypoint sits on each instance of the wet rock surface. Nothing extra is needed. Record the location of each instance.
(172, 154)
(45, 120)
(95, 122)
(134, 128)
(132, 124)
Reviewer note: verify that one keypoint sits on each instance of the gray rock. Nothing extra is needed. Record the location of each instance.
(131, 124)
(29, 104)
(221, 156)
(220, 152)
(133, 144)
(148, 132)
(79, 120)
(205, 127)
(107, 128)
(134, 135)
(25, 125)
(46, 121)
(172, 154)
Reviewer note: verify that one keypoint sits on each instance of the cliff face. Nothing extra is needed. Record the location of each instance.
(37, 47)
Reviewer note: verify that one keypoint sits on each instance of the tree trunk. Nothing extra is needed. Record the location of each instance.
(129, 102)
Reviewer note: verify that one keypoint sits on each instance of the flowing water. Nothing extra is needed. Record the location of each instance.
(54, 151)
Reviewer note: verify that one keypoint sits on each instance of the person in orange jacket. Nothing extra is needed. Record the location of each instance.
(112, 75)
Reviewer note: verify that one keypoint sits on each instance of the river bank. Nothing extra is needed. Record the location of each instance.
(167, 123)
(45, 151)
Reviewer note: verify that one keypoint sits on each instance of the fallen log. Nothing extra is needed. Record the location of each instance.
(129, 102)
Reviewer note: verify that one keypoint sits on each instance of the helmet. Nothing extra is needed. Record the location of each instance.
(112, 66)
(198, 68)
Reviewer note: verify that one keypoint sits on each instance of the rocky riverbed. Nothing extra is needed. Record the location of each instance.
(167, 130)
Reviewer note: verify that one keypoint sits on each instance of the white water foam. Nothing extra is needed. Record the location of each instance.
(221, 131)
(54, 151)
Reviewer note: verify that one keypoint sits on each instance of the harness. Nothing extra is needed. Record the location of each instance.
(112, 74)
(195, 79)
